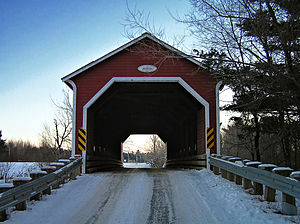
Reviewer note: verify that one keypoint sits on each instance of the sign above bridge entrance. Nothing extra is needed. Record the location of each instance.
(147, 68)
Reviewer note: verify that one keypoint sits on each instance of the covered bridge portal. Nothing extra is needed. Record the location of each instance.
(144, 87)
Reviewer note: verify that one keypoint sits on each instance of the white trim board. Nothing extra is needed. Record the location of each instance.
(218, 135)
(178, 80)
(143, 36)
(73, 116)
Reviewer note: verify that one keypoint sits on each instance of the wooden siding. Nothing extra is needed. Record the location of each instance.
(125, 64)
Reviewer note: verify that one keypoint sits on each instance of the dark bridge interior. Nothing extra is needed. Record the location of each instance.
(141, 108)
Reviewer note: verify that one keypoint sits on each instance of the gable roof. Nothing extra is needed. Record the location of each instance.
(130, 43)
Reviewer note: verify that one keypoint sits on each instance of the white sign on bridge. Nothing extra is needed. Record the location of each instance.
(147, 68)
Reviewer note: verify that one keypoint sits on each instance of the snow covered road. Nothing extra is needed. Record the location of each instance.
(150, 196)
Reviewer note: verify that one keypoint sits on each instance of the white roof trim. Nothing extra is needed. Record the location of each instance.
(64, 79)
(73, 116)
(178, 80)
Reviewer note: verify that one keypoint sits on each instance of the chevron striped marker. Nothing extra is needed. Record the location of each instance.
(82, 139)
(210, 138)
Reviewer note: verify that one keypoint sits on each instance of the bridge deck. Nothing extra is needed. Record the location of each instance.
(149, 196)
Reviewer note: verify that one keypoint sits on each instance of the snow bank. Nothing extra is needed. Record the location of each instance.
(136, 165)
(229, 203)
(16, 169)
(64, 160)
(295, 174)
(234, 158)
(55, 207)
(267, 166)
(56, 164)
(226, 157)
(6, 185)
(253, 163)
(48, 167)
(282, 169)
(239, 163)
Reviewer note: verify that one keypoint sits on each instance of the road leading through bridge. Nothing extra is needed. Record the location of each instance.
(149, 196)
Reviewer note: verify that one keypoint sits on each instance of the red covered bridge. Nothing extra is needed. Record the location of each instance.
(145, 86)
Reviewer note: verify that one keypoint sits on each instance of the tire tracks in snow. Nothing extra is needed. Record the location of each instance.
(162, 206)
(147, 196)
(106, 194)
(127, 199)
(133, 196)
(191, 205)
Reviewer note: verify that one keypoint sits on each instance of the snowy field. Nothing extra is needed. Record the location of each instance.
(151, 196)
(18, 169)
(136, 165)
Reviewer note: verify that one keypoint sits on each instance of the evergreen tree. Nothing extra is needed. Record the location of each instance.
(259, 61)
(275, 25)
(2, 142)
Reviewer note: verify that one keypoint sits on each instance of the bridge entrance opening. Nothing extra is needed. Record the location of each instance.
(125, 108)
(144, 151)
(145, 86)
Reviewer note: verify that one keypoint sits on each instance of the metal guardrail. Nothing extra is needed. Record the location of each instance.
(26, 191)
(275, 181)
(190, 162)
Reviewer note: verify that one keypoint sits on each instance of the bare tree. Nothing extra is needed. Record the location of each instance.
(157, 152)
(25, 151)
(5, 170)
(138, 21)
(59, 135)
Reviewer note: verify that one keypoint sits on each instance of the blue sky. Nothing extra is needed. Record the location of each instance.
(42, 41)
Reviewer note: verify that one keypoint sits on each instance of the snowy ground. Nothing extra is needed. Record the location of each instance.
(136, 165)
(17, 169)
(151, 196)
